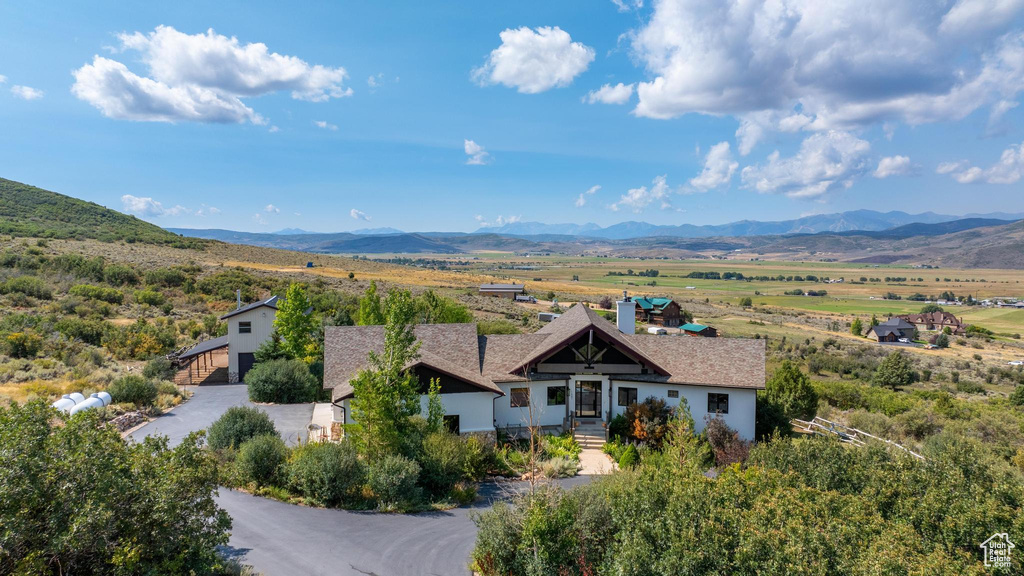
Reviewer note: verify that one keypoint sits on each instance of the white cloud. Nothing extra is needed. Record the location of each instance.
(477, 155)
(948, 167)
(533, 61)
(325, 125)
(581, 201)
(608, 94)
(199, 78)
(719, 167)
(359, 215)
(273, 129)
(628, 5)
(894, 166)
(639, 198)
(258, 218)
(3, 78)
(1008, 170)
(499, 221)
(205, 210)
(26, 92)
(826, 161)
(271, 209)
(146, 206)
(841, 64)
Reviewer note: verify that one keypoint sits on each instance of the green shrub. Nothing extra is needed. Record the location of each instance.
(484, 327)
(120, 275)
(327, 473)
(167, 277)
(479, 458)
(78, 499)
(969, 387)
(393, 482)
(261, 458)
(237, 425)
(101, 293)
(1017, 396)
(561, 446)
(894, 372)
(442, 462)
(23, 344)
(560, 467)
(614, 448)
(87, 330)
(27, 285)
(140, 340)
(282, 381)
(133, 389)
(222, 285)
(618, 427)
(630, 458)
(150, 297)
(159, 368)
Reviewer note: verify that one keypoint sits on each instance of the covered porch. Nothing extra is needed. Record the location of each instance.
(204, 363)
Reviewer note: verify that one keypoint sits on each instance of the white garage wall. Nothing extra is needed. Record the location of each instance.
(262, 320)
(742, 403)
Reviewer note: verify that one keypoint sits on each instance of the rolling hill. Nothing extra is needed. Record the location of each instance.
(29, 211)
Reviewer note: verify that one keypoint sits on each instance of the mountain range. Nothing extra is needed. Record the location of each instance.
(977, 241)
(866, 220)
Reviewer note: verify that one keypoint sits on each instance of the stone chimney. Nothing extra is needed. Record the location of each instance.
(625, 314)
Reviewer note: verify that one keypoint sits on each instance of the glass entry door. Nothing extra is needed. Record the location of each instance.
(588, 399)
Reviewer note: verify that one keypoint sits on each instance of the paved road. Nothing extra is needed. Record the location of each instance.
(209, 402)
(281, 539)
(284, 539)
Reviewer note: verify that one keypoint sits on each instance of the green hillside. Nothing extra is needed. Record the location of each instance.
(29, 211)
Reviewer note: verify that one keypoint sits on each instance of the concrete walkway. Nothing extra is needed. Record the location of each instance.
(593, 462)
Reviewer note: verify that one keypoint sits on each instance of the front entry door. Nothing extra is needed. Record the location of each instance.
(588, 399)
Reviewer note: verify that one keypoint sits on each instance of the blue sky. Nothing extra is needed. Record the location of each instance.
(480, 113)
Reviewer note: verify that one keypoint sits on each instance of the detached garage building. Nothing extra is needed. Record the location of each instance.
(248, 328)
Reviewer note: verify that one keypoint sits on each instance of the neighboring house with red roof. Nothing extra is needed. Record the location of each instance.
(579, 368)
(937, 320)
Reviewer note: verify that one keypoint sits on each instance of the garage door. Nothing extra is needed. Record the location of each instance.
(245, 362)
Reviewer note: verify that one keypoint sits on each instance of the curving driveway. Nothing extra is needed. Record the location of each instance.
(276, 538)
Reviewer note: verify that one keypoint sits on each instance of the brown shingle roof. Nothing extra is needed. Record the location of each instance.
(455, 349)
(448, 348)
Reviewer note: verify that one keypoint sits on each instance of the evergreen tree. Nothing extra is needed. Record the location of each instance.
(856, 327)
(791, 391)
(894, 371)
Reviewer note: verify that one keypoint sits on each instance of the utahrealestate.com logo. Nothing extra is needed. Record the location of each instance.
(997, 550)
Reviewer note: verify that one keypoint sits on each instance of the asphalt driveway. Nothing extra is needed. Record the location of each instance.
(209, 402)
(276, 538)
(281, 539)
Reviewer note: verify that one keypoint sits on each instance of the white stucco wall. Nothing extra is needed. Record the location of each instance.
(474, 409)
(742, 403)
(506, 415)
(262, 320)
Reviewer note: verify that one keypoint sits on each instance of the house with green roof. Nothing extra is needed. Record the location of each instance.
(658, 311)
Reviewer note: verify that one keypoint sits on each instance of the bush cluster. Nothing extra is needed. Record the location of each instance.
(282, 381)
(133, 389)
(238, 424)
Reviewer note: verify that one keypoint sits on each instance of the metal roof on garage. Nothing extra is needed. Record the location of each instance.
(204, 347)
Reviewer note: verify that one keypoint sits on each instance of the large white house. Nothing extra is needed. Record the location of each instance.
(578, 368)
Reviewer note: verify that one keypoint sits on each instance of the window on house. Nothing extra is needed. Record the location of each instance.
(627, 396)
(673, 393)
(245, 327)
(520, 397)
(718, 403)
(556, 395)
(451, 423)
